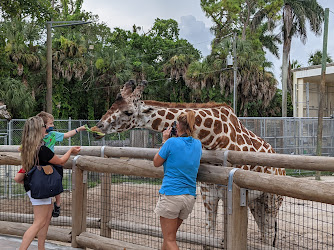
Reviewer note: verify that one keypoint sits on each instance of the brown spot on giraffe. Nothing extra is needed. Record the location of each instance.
(202, 113)
(123, 126)
(248, 141)
(198, 120)
(170, 116)
(161, 112)
(256, 144)
(225, 128)
(208, 112)
(208, 122)
(224, 141)
(223, 118)
(208, 141)
(203, 133)
(173, 110)
(217, 127)
(240, 139)
(215, 113)
(156, 123)
(232, 133)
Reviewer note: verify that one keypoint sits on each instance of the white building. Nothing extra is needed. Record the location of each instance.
(306, 82)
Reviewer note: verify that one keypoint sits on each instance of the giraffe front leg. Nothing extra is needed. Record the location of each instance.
(265, 211)
(210, 201)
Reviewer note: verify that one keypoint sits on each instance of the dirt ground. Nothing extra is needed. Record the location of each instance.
(301, 224)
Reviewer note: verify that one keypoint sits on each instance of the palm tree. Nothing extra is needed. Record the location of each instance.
(316, 57)
(295, 15)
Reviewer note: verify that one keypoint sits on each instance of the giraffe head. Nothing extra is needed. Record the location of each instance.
(3, 112)
(127, 112)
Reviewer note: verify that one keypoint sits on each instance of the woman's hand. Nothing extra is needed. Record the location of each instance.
(75, 150)
(166, 134)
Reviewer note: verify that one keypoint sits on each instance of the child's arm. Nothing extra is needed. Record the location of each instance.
(19, 177)
(74, 132)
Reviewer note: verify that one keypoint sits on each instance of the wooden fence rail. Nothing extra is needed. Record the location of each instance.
(138, 162)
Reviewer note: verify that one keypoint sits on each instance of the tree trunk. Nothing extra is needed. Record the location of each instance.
(287, 19)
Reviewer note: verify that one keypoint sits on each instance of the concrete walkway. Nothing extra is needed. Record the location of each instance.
(13, 243)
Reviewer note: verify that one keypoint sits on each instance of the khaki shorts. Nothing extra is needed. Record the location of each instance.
(175, 206)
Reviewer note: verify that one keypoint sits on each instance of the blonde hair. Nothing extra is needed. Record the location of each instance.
(187, 122)
(32, 137)
(45, 116)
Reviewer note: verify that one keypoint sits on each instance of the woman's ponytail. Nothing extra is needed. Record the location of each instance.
(187, 122)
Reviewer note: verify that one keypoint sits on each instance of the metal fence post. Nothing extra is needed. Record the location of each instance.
(10, 132)
(69, 129)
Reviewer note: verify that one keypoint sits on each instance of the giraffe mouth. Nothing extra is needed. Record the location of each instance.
(97, 133)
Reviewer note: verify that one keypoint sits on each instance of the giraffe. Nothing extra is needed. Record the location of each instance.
(217, 127)
(3, 111)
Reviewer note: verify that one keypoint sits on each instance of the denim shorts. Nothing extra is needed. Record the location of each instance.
(175, 206)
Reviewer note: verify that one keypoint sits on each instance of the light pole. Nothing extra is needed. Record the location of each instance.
(235, 73)
(49, 57)
(232, 60)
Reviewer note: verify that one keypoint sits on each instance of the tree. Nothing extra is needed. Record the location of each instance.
(316, 57)
(295, 15)
(14, 93)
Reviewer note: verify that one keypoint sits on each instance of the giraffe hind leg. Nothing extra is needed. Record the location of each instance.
(265, 210)
(210, 201)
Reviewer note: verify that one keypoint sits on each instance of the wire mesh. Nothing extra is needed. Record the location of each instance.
(301, 224)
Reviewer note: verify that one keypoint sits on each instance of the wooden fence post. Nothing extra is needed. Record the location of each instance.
(237, 219)
(105, 204)
(105, 201)
(79, 201)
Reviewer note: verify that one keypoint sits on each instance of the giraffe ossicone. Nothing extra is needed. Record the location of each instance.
(217, 127)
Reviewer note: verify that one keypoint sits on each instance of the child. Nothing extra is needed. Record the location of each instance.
(50, 139)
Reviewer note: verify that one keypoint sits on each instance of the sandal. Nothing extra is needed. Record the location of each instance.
(56, 210)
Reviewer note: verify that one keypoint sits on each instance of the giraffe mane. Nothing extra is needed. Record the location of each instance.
(185, 105)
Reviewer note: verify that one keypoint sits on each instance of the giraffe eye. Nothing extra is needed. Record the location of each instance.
(128, 113)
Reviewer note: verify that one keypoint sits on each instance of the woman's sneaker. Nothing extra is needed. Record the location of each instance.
(56, 210)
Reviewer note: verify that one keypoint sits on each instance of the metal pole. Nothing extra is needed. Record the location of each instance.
(48, 68)
(235, 73)
(322, 89)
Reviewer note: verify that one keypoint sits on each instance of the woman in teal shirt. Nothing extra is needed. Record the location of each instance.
(180, 157)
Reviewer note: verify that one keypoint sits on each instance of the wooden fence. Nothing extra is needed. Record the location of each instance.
(138, 162)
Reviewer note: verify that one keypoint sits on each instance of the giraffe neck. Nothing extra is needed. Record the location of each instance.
(160, 118)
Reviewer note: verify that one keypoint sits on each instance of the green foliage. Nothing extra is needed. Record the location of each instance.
(86, 80)
(17, 97)
(316, 58)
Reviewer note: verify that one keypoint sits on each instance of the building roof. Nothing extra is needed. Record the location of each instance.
(312, 74)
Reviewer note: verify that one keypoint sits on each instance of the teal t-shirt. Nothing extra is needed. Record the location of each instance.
(182, 159)
(52, 138)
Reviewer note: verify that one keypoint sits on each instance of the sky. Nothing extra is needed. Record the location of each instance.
(195, 26)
